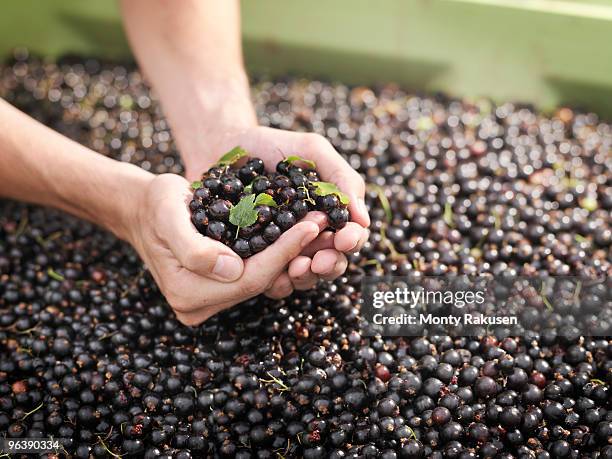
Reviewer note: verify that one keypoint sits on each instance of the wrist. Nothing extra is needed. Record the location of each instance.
(123, 214)
(205, 117)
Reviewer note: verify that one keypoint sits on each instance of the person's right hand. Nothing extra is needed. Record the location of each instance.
(198, 275)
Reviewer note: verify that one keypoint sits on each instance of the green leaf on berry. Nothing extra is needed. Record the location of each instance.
(244, 214)
(197, 184)
(232, 156)
(325, 188)
(248, 189)
(298, 159)
(264, 199)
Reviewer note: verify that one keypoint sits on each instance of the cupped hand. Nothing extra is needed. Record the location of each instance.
(198, 275)
(325, 256)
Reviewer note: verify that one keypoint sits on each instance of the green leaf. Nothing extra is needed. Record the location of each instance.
(264, 199)
(248, 189)
(243, 214)
(295, 159)
(232, 156)
(325, 188)
(197, 184)
(54, 275)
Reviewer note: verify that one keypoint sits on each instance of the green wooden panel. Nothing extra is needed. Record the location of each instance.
(547, 52)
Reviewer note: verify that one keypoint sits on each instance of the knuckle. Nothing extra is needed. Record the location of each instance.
(189, 320)
(314, 141)
(359, 182)
(181, 305)
(184, 304)
(253, 287)
(200, 260)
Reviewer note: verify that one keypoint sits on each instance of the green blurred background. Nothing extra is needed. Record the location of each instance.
(547, 52)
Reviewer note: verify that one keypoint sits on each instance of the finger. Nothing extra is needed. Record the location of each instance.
(192, 318)
(334, 168)
(281, 287)
(262, 269)
(364, 238)
(208, 258)
(200, 255)
(329, 264)
(317, 217)
(324, 261)
(348, 239)
(301, 276)
(324, 240)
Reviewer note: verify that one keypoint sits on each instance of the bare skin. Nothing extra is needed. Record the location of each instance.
(190, 52)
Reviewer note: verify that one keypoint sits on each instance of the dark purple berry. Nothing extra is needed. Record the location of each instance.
(285, 220)
(216, 230)
(256, 164)
(195, 204)
(257, 244)
(282, 167)
(200, 220)
(281, 181)
(299, 209)
(246, 175)
(213, 184)
(261, 185)
(232, 187)
(286, 194)
(242, 248)
(264, 214)
(203, 194)
(338, 217)
(327, 203)
(271, 233)
(220, 209)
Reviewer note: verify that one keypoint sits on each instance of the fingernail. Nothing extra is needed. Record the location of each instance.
(228, 267)
(363, 209)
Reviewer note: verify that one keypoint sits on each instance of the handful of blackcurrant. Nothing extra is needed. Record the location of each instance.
(248, 209)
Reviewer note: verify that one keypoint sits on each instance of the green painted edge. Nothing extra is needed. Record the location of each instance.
(545, 52)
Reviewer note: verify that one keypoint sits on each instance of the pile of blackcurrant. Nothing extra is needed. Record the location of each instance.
(90, 352)
(248, 209)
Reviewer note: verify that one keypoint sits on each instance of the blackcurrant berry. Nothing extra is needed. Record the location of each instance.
(256, 164)
(257, 243)
(338, 217)
(220, 209)
(242, 248)
(216, 230)
(271, 233)
(285, 220)
(299, 209)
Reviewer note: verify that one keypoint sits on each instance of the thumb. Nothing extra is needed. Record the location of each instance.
(264, 267)
(202, 255)
(209, 258)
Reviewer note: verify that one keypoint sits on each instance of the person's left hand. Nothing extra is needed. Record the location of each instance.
(325, 257)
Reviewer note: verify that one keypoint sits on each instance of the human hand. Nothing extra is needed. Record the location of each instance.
(199, 276)
(325, 257)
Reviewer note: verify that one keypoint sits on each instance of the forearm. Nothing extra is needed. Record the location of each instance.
(191, 53)
(39, 165)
